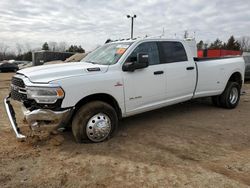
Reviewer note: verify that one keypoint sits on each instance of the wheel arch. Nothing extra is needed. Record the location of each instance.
(236, 77)
(104, 97)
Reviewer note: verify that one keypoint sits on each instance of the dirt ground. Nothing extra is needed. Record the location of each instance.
(192, 144)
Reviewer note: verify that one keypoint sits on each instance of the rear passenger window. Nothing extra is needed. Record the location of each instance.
(149, 48)
(171, 52)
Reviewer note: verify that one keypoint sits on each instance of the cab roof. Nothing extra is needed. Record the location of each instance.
(146, 39)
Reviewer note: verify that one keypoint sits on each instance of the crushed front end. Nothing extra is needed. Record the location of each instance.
(41, 105)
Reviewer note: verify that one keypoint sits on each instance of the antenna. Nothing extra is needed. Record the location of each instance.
(163, 31)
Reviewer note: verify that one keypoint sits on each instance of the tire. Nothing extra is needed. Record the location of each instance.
(95, 121)
(231, 95)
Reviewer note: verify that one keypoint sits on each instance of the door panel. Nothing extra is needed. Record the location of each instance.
(180, 73)
(144, 87)
(180, 81)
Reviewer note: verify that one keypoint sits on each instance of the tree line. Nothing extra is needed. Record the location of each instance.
(62, 47)
(242, 44)
(24, 52)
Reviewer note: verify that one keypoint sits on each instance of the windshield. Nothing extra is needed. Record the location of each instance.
(107, 54)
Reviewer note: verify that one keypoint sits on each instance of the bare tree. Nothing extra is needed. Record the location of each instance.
(53, 46)
(62, 46)
(244, 43)
(3, 50)
(19, 48)
(27, 46)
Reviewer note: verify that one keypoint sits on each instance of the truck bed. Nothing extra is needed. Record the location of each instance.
(213, 74)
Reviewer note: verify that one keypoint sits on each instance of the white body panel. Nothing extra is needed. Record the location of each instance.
(48, 73)
(76, 88)
(213, 75)
(141, 90)
(180, 82)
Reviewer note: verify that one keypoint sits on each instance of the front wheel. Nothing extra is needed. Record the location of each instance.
(94, 122)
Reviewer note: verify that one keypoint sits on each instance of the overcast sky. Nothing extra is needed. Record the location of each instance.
(90, 22)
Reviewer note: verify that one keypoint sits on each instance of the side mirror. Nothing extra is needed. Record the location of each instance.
(142, 62)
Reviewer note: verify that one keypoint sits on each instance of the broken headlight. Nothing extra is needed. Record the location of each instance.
(45, 95)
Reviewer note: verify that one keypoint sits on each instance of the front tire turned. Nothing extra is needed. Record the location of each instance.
(95, 121)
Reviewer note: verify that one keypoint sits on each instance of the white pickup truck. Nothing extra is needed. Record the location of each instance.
(117, 80)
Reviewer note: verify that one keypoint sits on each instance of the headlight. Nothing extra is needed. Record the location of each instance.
(45, 95)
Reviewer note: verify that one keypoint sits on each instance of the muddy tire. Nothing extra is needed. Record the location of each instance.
(95, 121)
(230, 97)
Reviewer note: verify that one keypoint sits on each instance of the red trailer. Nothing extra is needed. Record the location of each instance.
(218, 53)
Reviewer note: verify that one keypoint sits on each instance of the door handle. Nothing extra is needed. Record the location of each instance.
(190, 68)
(158, 72)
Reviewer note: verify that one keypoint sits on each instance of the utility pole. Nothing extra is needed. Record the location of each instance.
(132, 24)
(185, 34)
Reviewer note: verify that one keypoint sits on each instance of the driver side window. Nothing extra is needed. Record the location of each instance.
(149, 48)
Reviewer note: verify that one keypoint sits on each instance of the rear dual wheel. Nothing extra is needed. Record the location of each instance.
(230, 97)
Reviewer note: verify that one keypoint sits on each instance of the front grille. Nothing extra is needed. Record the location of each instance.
(18, 96)
(18, 91)
(18, 82)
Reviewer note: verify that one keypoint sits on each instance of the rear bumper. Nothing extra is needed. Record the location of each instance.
(35, 117)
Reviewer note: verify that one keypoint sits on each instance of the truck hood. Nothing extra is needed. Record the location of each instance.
(48, 73)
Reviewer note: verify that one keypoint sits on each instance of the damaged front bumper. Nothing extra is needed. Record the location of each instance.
(35, 117)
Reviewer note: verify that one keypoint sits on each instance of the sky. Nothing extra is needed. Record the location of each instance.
(90, 23)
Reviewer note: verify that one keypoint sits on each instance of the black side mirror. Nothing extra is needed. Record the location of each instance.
(142, 62)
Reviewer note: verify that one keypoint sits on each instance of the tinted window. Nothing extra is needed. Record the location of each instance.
(172, 52)
(148, 47)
